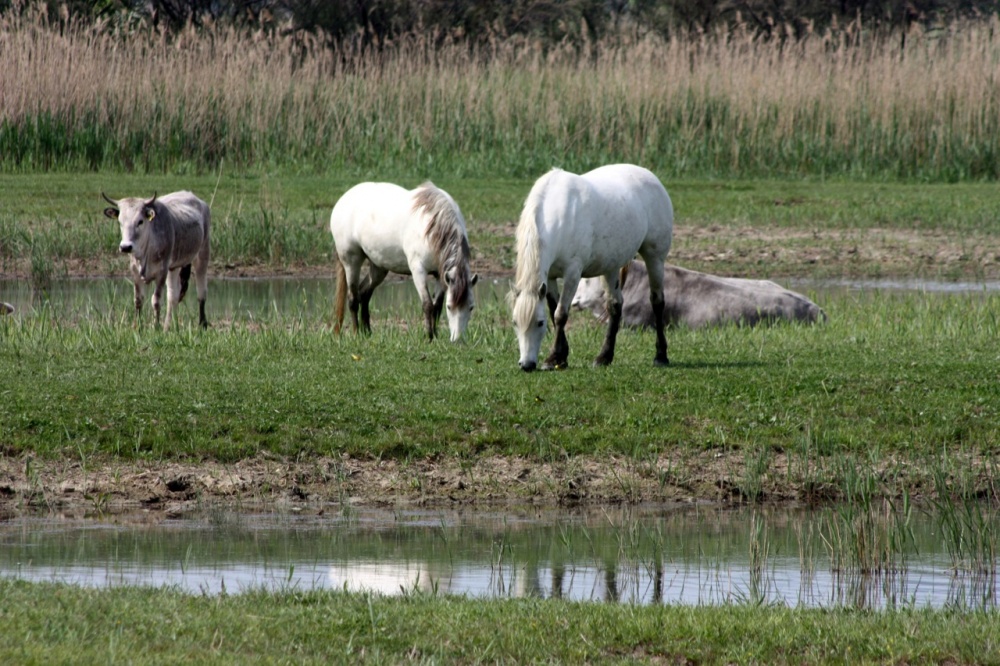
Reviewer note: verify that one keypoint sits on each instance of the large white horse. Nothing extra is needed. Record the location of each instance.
(587, 226)
(418, 232)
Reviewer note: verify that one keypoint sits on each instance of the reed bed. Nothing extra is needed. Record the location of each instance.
(78, 96)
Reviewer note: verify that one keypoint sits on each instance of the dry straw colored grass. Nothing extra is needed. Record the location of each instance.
(725, 104)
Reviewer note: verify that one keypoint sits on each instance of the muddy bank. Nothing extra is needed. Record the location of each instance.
(30, 484)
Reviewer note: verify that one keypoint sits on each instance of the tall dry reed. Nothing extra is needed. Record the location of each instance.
(82, 96)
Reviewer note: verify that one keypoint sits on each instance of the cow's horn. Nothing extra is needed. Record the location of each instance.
(109, 200)
(150, 202)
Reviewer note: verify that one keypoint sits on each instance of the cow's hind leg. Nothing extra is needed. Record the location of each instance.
(201, 283)
(654, 267)
(185, 275)
(613, 291)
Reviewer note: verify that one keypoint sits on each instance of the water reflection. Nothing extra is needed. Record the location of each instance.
(648, 556)
(252, 299)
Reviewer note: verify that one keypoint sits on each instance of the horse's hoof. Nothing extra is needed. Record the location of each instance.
(661, 362)
(555, 365)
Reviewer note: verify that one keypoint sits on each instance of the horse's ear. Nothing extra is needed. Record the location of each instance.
(111, 212)
(542, 290)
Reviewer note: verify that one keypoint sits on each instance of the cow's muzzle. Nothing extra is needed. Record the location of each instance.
(125, 248)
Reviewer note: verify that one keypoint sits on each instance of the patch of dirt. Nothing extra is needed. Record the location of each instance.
(30, 484)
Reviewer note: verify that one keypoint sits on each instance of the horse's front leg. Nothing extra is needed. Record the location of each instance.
(430, 303)
(613, 291)
(559, 358)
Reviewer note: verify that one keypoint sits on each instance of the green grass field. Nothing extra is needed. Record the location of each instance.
(58, 624)
(751, 228)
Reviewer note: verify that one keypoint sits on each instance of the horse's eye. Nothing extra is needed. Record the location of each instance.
(541, 322)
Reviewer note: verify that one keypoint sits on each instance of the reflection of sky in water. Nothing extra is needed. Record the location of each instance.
(696, 558)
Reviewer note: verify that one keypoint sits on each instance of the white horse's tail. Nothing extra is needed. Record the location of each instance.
(341, 298)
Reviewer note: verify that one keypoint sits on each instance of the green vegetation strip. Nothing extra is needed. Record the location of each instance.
(910, 375)
(48, 623)
(749, 228)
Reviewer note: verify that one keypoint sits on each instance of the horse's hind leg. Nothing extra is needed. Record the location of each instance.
(654, 267)
(375, 277)
(613, 291)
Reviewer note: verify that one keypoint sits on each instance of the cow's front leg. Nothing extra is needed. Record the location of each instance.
(157, 296)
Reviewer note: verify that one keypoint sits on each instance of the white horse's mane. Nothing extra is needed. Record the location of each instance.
(529, 256)
(446, 235)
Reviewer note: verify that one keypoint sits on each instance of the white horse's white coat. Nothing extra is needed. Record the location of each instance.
(418, 232)
(576, 226)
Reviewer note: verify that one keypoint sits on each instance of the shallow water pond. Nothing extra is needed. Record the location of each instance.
(265, 298)
(672, 555)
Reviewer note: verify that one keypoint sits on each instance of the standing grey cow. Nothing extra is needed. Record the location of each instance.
(696, 299)
(165, 236)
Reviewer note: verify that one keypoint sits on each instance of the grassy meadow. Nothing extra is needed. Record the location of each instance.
(57, 624)
(904, 385)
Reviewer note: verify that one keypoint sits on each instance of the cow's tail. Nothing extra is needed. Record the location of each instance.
(341, 298)
(185, 278)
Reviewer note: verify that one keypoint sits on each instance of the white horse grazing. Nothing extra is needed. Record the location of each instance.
(586, 226)
(418, 232)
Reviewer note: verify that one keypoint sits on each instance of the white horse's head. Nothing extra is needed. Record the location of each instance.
(529, 324)
(459, 299)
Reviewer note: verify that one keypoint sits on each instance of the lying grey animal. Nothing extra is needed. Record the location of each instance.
(696, 299)
(165, 236)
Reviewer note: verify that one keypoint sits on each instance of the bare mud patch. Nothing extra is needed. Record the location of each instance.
(30, 484)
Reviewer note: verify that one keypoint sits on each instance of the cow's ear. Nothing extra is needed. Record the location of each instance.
(150, 213)
(111, 212)
(542, 290)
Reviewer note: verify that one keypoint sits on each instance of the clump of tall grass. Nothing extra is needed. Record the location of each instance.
(721, 103)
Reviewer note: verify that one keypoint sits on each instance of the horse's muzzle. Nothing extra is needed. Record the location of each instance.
(528, 366)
